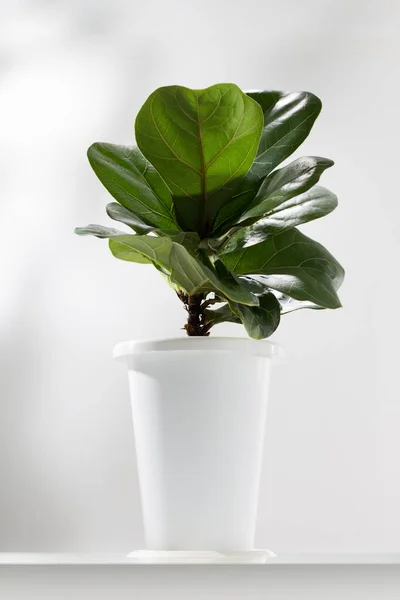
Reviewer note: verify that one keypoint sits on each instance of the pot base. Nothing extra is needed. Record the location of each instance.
(199, 557)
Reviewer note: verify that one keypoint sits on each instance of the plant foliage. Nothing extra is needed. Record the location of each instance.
(206, 204)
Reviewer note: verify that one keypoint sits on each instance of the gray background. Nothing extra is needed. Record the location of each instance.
(76, 72)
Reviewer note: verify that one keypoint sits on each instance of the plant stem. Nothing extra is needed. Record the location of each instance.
(195, 307)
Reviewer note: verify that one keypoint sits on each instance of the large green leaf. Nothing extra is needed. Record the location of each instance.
(199, 141)
(292, 263)
(258, 285)
(186, 271)
(288, 119)
(259, 321)
(118, 213)
(282, 185)
(152, 249)
(134, 183)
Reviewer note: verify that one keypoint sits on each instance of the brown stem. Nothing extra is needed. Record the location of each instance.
(195, 307)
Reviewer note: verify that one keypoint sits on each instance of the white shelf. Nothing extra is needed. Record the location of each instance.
(146, 558)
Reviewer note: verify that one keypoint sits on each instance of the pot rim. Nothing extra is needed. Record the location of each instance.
(206, 344)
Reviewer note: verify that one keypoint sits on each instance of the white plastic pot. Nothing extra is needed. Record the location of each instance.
(199, 409)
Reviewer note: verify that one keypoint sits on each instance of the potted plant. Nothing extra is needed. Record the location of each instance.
(207, 207)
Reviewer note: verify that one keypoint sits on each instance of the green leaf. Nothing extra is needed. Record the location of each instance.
(293, 264)
(258, 286)
(199, 141)
(313, 204)
(288, 119)
(188, 239)
(98, 231)
(290, 304)
(118, 213)
(187, 269)
(134, 183)
(223, 314)
(282, 185)
(231, 286)
(188, 272)
(254, 285)
(109, 232)
(153, 249)
(259, 321)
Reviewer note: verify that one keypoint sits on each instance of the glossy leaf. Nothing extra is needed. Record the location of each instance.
(290, 304)
(134, 183)
(259, 321)
(185, 270)
(282, 185)
(199, 141)
(258, 285)
(118, 213)
(313, 204)
(288, 119)
(293, 264)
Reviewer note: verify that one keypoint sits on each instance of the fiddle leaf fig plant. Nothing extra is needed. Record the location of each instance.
(205, 203)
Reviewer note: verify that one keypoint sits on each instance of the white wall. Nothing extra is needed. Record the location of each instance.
(75, 72)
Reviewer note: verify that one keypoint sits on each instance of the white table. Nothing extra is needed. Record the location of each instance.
(143, 559)
(30, 576)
